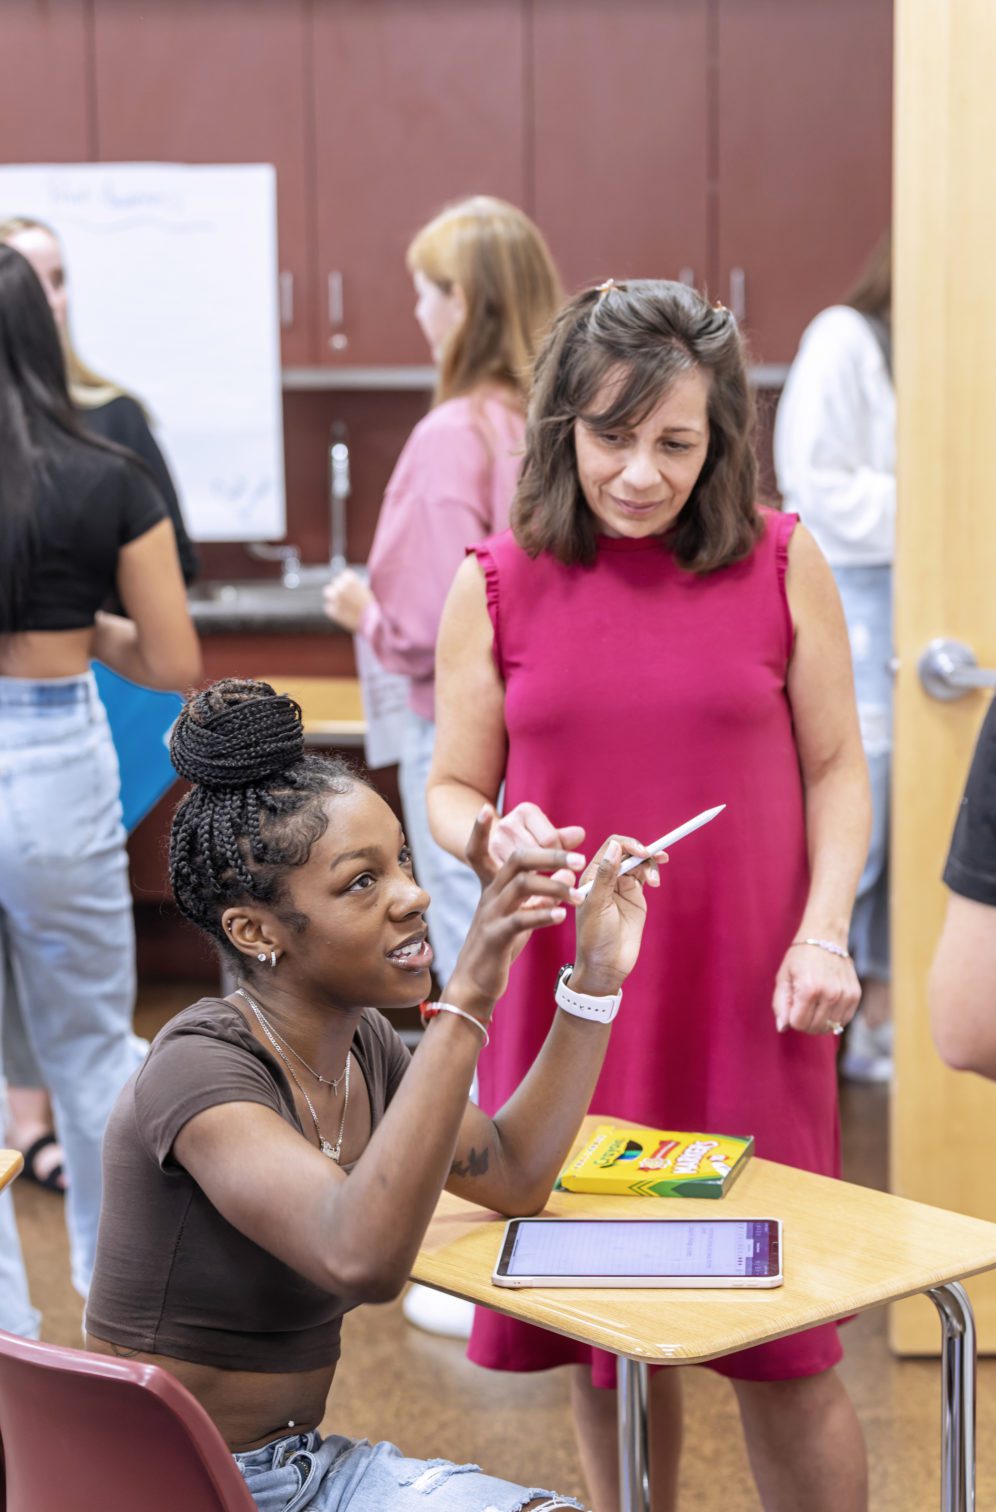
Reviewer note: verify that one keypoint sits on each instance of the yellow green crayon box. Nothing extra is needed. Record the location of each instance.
(629, 1160)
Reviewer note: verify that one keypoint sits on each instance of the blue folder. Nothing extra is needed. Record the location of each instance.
(140, 721)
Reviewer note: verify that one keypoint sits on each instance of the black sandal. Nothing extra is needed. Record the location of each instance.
(55, 1180)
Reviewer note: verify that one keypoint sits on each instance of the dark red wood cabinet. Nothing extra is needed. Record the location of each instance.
(46, 98)
(744, 145)
(212, 81)
(620, 137)
(803, 157)
(415, 105)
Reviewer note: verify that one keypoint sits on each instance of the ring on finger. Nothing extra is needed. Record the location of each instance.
(834, 1027)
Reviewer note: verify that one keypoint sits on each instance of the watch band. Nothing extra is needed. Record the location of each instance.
(600, 1009)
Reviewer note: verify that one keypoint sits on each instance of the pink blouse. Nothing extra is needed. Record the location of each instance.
(452, 487)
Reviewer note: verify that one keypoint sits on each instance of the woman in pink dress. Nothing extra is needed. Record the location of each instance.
(647, 642)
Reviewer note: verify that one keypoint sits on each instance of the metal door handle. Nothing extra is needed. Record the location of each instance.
(287, 298)
(738, 295)
(337, 313)
(948, 670)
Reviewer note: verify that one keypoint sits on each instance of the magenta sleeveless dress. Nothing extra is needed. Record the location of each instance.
(637, 695)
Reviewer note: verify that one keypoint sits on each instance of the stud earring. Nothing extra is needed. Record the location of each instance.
(261, 956)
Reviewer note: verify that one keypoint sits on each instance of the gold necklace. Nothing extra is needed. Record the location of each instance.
(332, 1151)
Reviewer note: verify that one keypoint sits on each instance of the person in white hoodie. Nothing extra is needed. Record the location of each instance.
(835, 459)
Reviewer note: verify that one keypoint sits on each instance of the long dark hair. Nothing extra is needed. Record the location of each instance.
(651, 332)
(33, 395)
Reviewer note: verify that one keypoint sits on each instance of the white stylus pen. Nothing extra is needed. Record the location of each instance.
(662, 844)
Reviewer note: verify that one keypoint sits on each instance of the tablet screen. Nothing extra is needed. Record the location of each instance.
(642, 1247)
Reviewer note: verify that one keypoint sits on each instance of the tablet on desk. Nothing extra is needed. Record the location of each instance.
(665, 1252)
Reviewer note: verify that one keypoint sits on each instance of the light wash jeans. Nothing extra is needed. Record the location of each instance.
(452, 886)
(66, 918)
(333, 1474)
(866, 593)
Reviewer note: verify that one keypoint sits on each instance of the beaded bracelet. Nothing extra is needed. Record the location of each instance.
(837, 950)
(428, 1011)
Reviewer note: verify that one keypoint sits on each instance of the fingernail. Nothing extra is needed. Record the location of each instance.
(558, 915)
(655, 877)
(575, 860)
(576, 895)
(485, 811)
(613, 851)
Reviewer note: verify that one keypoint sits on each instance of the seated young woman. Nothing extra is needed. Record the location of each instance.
(231, 1241)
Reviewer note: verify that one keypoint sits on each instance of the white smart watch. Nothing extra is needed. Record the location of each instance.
(601, 1009)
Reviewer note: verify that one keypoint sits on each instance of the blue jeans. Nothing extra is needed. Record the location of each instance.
(66, 928)
(333, 1474)
(866, 593)
(452, 886)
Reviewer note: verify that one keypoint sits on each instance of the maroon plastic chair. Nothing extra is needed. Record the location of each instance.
(85, 1432)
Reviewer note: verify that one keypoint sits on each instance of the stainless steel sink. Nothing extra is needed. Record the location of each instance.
(261, 604)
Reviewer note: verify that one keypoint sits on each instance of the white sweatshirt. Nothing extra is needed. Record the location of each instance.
(835, 440)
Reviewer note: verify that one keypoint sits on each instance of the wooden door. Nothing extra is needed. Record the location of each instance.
(415, 105)
(945, 322)
(45, 95)
(803, 157)
(620, 107)
(210, 81)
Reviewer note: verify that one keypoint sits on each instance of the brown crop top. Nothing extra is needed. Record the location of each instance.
(173, 1276)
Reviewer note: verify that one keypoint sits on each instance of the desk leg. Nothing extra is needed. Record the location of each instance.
(958, 1361)
(634, 1474)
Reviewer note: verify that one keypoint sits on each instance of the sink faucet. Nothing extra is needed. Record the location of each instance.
(288, 556)
(339, 491)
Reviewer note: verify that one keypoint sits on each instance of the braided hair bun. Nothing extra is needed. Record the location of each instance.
(237, 734)
(258, 803)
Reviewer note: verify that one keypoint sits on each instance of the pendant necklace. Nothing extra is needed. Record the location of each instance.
(332, 1151)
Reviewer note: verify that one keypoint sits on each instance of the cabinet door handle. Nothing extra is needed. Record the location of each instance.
(948, 670)
(738, 295)
(286, 285)
(337, 315)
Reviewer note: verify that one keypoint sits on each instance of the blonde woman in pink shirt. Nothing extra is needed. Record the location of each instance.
(486, 291)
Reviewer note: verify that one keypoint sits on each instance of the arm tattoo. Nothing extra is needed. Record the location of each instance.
(476, 1164)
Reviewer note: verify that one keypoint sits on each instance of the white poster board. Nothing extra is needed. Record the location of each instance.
(173, 294)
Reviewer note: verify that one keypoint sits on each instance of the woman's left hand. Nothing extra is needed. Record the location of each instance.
(610, 920)
(346, 597)
(815, 991)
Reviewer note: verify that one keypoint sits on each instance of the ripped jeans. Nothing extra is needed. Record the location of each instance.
(344, 1475)
(866, 593)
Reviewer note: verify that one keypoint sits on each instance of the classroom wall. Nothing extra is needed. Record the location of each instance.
(744, 145)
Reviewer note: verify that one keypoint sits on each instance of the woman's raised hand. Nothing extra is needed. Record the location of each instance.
(525, 825)
(531, 889)
(611, 919)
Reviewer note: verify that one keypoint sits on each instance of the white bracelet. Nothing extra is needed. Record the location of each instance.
(600, 1009)
(837, 950)
(429, 1010)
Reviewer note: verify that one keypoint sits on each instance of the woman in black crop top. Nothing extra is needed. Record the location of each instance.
(231, 1240)
(104, 409)
(79, 519)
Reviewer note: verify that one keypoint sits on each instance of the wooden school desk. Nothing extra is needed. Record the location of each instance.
(846, 1249)
(11, 1162)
